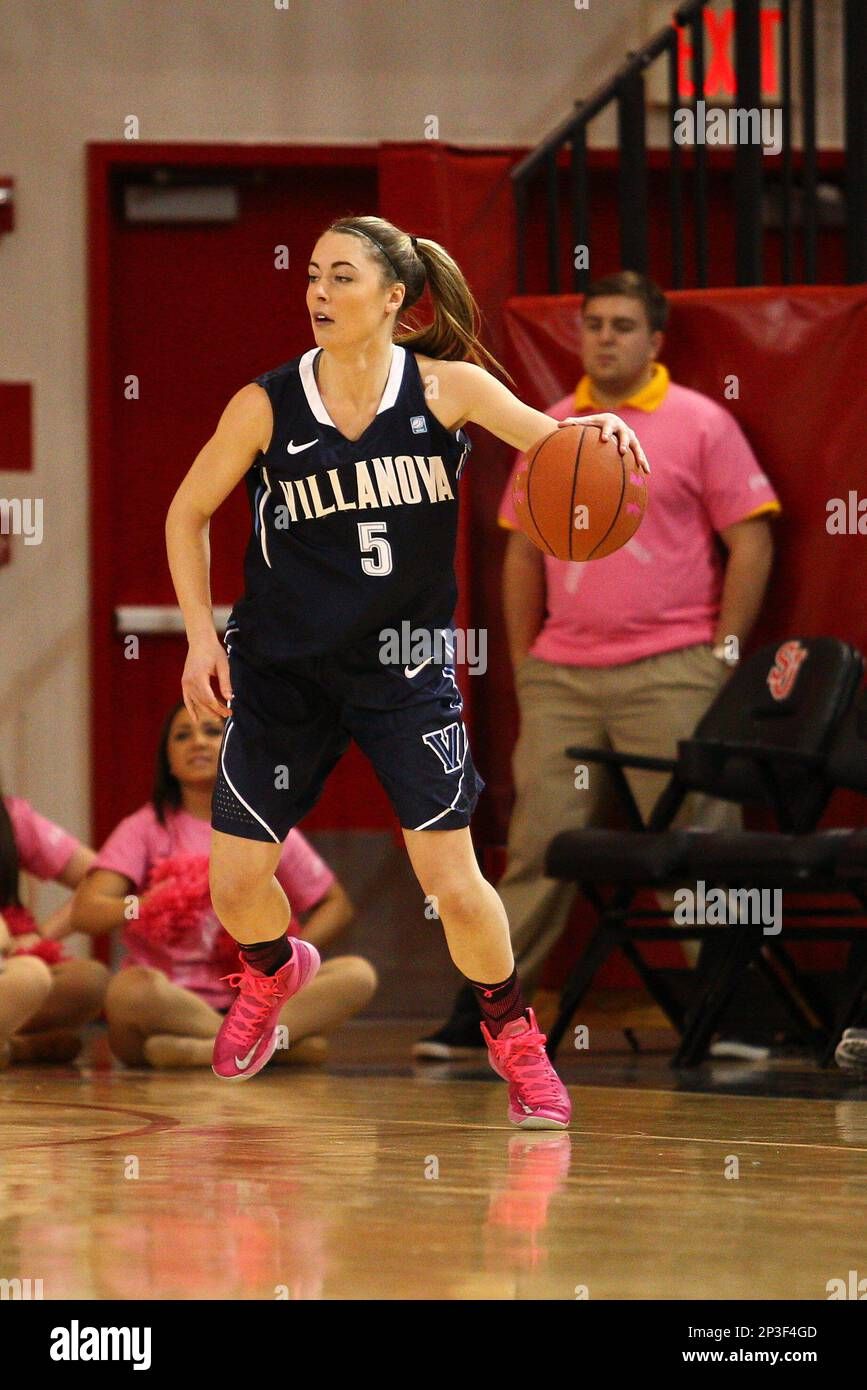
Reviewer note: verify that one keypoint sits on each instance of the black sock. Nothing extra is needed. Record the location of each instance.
(500, 1004)
(268, 956)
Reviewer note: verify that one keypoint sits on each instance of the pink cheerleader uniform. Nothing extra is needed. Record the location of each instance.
(177, 930)
(44, 850)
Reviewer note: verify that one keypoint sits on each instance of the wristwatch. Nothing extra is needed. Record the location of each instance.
(724, 656)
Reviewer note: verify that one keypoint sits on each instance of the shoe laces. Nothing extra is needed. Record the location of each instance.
(253, 1004)
(535, 1075)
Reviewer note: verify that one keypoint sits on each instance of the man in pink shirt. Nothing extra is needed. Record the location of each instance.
(626, 652)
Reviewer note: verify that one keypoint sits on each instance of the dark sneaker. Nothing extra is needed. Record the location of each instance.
(458, 1040)
(739, 1050)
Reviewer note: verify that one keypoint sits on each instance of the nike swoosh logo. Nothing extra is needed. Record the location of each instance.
(299, 448)
(242, 1063)
(410, 671)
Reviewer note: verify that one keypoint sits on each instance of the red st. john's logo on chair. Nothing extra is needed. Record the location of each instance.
(788, 661)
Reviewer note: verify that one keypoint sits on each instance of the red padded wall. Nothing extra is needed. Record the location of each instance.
(802, 379)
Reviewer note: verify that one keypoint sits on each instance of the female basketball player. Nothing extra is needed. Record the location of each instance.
(352, 455)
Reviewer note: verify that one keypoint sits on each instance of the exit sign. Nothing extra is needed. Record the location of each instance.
(719, 56)
(720, 85)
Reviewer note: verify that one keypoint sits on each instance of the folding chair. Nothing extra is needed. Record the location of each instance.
(763, 742)
(847, 767)
(830, 863)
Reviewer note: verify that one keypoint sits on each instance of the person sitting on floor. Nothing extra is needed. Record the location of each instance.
(150, 879)
(46, 998)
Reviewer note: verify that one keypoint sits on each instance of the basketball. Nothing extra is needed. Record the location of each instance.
(577, 497)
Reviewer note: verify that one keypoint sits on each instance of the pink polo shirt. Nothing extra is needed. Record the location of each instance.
(662, 590)
(139, 841)
(44, 849)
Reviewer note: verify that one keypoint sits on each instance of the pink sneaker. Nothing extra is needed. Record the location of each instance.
(248, 1037)
(537, 1097)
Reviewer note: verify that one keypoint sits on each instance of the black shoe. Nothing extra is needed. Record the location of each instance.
(459, 1038)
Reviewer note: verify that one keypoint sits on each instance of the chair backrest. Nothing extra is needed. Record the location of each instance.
(847, 757)
(789, 696)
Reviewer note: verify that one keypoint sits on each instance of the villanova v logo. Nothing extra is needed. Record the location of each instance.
(449, 744)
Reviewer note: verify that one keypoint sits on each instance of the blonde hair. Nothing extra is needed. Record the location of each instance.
(416, 262)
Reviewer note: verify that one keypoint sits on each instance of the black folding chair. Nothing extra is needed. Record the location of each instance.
(827, 863)
(764, 742)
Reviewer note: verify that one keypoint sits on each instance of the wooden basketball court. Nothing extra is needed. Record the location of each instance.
(378, 1178)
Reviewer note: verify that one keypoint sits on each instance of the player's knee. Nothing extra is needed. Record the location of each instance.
(360, 978)
(232, 893)
(457, 901)
(30, 977)
(90, 979)
(131, 992)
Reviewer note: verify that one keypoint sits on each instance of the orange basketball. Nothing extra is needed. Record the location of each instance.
(578, 498)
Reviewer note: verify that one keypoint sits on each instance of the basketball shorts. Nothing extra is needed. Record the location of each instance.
(291, 722)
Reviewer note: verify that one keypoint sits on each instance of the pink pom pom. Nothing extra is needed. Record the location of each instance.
(19, 920)
(177, 897)
(178, 902)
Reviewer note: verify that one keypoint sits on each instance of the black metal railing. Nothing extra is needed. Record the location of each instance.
(539, 171)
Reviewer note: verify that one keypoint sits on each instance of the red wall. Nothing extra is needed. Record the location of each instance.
(802, 380)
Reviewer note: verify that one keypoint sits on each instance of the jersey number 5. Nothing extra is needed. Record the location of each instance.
(375, 549)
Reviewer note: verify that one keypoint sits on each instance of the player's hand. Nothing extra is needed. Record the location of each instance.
(26, 942)
(165, 888)
(206, 658)
(613, 427)
(58, 924)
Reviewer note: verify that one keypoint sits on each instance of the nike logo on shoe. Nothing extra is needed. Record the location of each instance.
(242, 1063)
(410, 671)
(299, 448)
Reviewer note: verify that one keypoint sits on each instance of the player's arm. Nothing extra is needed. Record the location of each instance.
(243, 431)
(750, 546)
(471, 393)
(58, 923)
(523, 591)
(98, 904)
(329, 918)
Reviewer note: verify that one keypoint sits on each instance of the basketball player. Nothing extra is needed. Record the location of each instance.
(351, 456)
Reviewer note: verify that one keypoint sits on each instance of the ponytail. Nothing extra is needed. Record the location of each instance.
(453, 334)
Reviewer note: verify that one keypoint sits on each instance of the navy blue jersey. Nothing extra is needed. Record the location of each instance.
(349, 537)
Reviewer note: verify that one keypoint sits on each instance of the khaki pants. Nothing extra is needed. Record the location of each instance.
(642, 707)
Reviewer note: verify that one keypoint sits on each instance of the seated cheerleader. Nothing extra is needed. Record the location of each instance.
(150, 879)
(45, 998)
